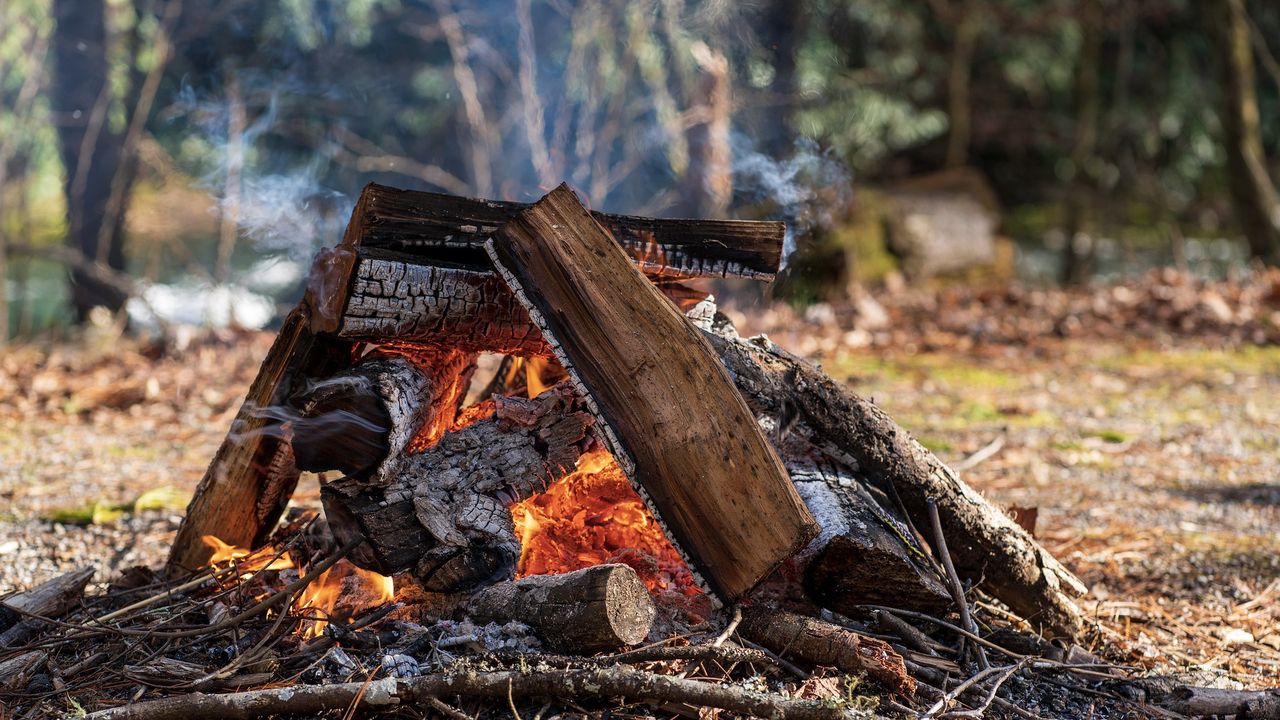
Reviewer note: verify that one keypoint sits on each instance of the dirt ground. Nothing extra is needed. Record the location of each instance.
(1154, 465)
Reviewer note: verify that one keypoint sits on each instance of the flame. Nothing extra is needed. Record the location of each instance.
(244, 559)
(339, 592)
(533, 375)
(593, 516)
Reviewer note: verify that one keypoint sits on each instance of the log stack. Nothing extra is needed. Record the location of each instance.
(749, 457)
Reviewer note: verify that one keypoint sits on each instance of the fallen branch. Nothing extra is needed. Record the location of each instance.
(600, 683)
(822, 643)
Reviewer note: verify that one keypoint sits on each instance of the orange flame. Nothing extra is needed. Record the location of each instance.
(593, 516)
(244, 559)
(339, 592)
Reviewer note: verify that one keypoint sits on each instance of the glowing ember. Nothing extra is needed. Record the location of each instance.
(591, 517)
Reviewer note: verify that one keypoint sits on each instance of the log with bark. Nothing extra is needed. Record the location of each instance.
(821, 643)
(20, 613)
(598, 608)
(986, 544)
(664, 404)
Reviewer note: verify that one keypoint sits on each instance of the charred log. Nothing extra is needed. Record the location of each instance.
(444, 515)
(444, 227)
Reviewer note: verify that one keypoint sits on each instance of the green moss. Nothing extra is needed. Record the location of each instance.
(1111, 436)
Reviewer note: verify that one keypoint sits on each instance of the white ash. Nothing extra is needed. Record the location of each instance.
(467, 636)
(401, 666)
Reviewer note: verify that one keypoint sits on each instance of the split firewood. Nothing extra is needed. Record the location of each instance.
(665, 405)
(444, 515)
(51, 599)
(985, 543)
(865, 555)
(505, 686)
(595, 609)
(822, 643)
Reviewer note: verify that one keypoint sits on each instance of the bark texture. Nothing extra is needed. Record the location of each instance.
(987, 545)
(595, 609)
(821, 643)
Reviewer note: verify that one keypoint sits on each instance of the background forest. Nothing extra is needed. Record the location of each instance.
(192, 155)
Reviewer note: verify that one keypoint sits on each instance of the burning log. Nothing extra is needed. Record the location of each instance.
(362, 421)
(394, 295)
(598, 608)
(821, 643)
(444, 516)
(645, 371)
(445, 227)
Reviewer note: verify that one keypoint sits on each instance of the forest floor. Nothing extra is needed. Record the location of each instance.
(1153, 461)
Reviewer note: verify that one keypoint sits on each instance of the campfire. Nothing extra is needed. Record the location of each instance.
(627, 471)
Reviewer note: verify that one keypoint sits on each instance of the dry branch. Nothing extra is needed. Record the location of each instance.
(821, 643)
(593, 684)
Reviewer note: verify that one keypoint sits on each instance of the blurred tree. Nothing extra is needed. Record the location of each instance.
(1252, 192)
(81, 100)
(1078, 245)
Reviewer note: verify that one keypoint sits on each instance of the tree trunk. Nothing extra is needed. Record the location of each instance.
(1077, 253)
(80, 96)
(959, 112)
(1253, 194)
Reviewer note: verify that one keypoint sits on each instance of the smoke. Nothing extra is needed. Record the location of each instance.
(291, 214)
(283, 208)
(806, 190)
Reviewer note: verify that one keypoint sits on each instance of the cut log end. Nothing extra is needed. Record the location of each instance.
(598, 608)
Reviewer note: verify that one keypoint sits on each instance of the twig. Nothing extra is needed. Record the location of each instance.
(447, 710)
(167, 594)
(986, 452)
(777, 659)
(957, 589)
(980, 711)
(719, 653)
(733, 625)
(597, 683)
